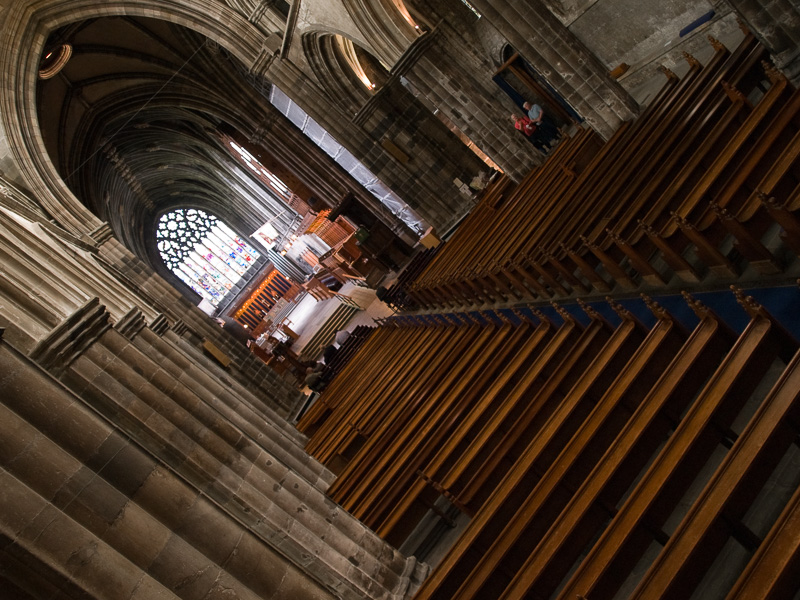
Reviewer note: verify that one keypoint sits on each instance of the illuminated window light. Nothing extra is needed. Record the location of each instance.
(54, 61)
(404, 12)
(472, 8)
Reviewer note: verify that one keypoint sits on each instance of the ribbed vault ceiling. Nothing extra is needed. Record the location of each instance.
(131, 123)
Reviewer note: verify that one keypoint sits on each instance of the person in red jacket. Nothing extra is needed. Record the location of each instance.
(529, 130)
(524, 124)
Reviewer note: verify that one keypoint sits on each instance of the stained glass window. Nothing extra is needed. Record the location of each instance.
(203, 252)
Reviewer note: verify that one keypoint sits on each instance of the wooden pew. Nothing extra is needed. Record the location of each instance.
(544, 196)
(706, 170)
(487, 458)
(784, 215)
(637, 522)
(511, 265)
(430, 429)
(587, 508)
(399, 519)
(774, 571)
(431, 364)
(355, 378)
(681, 171)
(418, 341)
(591, 202)
(699, 121)
(780, 180)
(498, 239)
(348, 378)
(742, 154)
(770, 163)
(506, 497)
(486, 239)
(728, 495)
(574, 462)
(362, 477)
(459, 250)
(620, 155)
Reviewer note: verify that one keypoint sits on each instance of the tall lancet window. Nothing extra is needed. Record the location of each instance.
(203, 252)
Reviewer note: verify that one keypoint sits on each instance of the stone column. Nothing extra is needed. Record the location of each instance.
(90, 507)
(412, 182)
(245, 368)
(424, 145)
(232, 413)
(573, 71)
(776, 23)
(319, 172)
(455, 76)
(146, 466)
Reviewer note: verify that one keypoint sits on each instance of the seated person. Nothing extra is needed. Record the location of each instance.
(314, 378)
(530, 131)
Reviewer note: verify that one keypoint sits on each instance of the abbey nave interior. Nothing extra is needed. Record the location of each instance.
(394, 299)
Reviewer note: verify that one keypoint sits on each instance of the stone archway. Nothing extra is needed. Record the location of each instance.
(386, 31)
(26, 27)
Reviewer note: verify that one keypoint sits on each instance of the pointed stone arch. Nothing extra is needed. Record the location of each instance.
(388, 34)
(334, 75)
(26, 33)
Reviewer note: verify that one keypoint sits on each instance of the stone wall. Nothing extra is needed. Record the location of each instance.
(131, 462)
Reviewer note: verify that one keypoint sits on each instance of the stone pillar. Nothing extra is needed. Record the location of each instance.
(318, 171)
(137, 469)
(232, 413)
(567, 65)
(776, 23)
(89, 506)
(455, 76)
(411, 183)
(245, 368)
(424, 145)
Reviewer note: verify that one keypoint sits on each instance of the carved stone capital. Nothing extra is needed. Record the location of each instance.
(131, 324)
(101, 234)
(72, 337)
(160, 325)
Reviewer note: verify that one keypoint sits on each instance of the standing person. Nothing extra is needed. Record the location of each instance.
(547, 128)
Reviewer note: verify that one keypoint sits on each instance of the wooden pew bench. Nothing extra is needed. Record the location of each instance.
(487, 458)
(591, 203)
(724, 84)
(418, 341)
(638, 521)
(396, 520)
(355, 377)
(359, 480)
(349, 378)
(742, 156)
(774, 571)
(469, 257)
(427, 369)
(699, 120)
(430, 429)
(728, 495)
(502, 238)
(581, 514)
(506, 497)
(705, 179)
(575, 460)
(623, 150)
